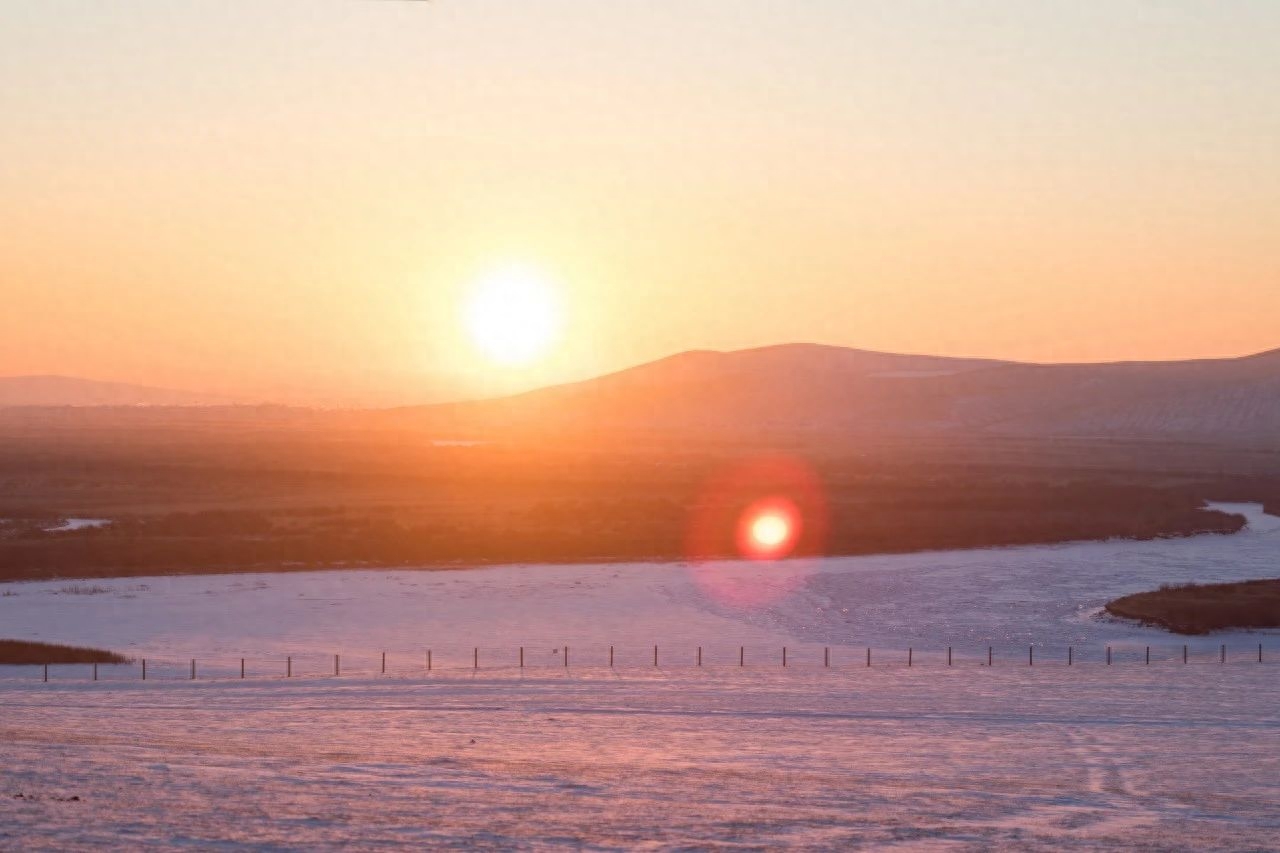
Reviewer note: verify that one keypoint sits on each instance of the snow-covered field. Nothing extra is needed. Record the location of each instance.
(968, 758)
(1163, 756)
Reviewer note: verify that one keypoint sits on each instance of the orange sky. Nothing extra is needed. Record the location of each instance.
(291, 200)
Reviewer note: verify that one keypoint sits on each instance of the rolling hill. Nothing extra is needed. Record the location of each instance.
(813, 389)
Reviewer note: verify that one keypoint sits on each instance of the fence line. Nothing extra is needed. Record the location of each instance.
(215, 667)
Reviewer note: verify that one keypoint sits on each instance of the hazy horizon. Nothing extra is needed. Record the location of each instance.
(295, 202)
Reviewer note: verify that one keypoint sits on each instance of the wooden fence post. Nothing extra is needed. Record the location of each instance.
(522, 657)
(826, 656)
(1184, 653)
(784, 655)
(1148, 656)
(1031, 655)
(193, 669)
(384, 663)
(144, 669)
(699, 655)
(475, 658)
(948, 656)
(288, 667)
(428, 660)
(337, 668)
(46, 673)
(990, 655)
(742, 655)
(1070, 655)
(610, 657)
(1108, 656)
(910, 652)
(95, 666)
(655, 655)
(566, 657)
(242, 667)
(868, 656)
(1223, 658)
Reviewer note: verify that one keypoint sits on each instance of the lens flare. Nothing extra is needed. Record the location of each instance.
(769, 529)
(752, 520)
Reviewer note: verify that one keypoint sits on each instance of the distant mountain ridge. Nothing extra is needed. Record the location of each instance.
(72, 391)
(807, 391)
(811, 389)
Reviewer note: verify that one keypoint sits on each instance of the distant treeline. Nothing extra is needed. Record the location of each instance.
(942, 516)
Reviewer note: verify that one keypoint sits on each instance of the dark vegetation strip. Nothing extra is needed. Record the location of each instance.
(551, 533)
(23, 652)
(1201, 608)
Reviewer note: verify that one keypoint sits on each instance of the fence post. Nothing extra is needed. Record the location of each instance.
(242, 667)
(1070, 655)
(948, 656)
(611, 657)
(699, 655)
(95, 666)
(428, 660)
(990, 655)
(384, 663)
(337, 668)
(475, 657)
(1031, 655)
(522, 657)
(1184, 652)
(826, 656)
(193, 669)
(1148, 656)
(742, 655)
(566, 657)
(46, 673)
(144, 669)
(288, 667)
(1108, 656)
(655, 655)
(868, 656)
(909, 655)
(1223, 658)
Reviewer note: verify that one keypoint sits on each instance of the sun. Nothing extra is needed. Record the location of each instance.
(513, 314)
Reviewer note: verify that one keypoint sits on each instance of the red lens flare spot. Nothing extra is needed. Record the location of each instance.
(769, 529)
(750, 523)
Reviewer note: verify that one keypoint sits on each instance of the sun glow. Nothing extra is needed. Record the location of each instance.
(514, 315)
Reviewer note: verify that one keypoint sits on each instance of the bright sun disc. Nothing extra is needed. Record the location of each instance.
(513, 315)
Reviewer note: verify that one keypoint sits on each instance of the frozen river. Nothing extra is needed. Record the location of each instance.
(1008, 598)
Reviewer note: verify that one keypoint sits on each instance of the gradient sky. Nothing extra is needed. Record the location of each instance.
(290, 199)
